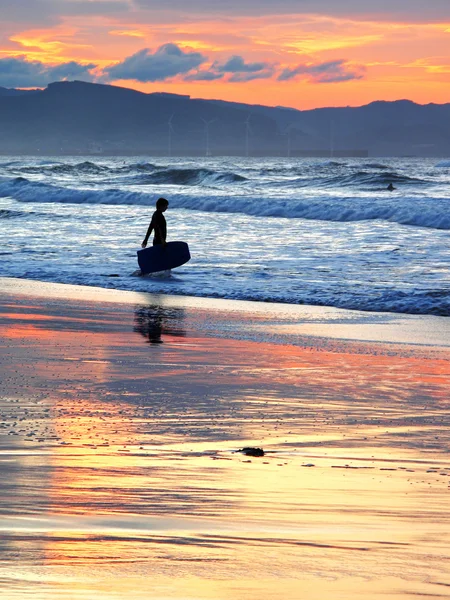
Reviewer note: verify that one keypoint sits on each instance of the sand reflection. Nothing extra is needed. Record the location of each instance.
(120, 477)
(156, 321)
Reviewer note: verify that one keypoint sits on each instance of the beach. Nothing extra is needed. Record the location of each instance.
(121, 419)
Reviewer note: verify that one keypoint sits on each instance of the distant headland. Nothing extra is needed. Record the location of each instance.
(79, 118)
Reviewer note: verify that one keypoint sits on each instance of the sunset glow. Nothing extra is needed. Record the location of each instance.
(274, 55)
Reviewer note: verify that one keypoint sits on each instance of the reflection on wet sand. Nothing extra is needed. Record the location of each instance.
(120, 477)
(155, 320)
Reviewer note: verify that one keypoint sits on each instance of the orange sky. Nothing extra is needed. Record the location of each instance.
(377, 57)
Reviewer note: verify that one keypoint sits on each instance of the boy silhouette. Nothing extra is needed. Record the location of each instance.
(157, 224)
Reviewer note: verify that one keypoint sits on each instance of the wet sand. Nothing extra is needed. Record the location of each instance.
(120, 419)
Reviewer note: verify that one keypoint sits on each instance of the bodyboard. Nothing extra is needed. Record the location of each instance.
(160, 258)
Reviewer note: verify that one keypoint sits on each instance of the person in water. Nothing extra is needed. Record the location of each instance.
(390, 187)
(157, 224)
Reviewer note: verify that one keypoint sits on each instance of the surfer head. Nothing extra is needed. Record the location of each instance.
(162, 204)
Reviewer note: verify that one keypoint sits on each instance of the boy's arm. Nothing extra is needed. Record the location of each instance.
(147, 235)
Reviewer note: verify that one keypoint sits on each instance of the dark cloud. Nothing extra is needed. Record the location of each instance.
(19, 72)
(236, 64)
(406, 10)
(327, 72)
(203, 76)
(71, 70)
(236, 69)
(167, 61)
(243, 77)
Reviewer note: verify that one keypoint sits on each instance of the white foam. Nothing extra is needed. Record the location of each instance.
(410, 210)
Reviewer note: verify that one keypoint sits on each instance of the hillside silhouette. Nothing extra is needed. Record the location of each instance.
(86, 118)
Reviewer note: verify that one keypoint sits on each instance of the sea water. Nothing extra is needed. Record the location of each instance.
(294, 230)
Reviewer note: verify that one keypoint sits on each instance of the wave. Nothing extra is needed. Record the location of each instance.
(330, 163)
(424, 302)
(375, 166)
(85, 167)
(361, 180)
(10, 163)
(65, 169)
(443, 164)
(428, 302)
(190, 177)
(420, 212)
(365, 178)
(8, 214)
(368, 176)
(145, 173)
(24, 190)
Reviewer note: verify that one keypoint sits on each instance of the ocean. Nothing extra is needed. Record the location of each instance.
(292, 230)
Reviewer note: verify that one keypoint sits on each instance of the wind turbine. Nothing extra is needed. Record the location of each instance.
(207, 124)
(248, 131)
(171, 131)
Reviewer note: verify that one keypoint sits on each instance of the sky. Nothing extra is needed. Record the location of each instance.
(299, 53)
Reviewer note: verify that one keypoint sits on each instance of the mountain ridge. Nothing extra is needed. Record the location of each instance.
(75, 117)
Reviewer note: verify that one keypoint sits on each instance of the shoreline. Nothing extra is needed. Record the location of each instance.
(288, 323)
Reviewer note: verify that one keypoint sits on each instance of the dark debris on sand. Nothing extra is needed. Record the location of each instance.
(248, 451)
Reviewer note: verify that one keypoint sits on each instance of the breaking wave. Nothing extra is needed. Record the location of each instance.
(374, 180)
(190, 177)
(64, 169)
(85, 167)
(143, 173)
(370, 175)
(420, 212)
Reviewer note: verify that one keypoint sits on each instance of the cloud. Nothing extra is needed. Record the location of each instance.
(328, 72)
(237, 70)
(236, 64)
(19, 72)
(167, 61)
(243, 77)
(203, 76)
(405, 10)
(71, 70)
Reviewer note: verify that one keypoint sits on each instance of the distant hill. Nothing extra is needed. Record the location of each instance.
(85, 118)
(13, 92)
